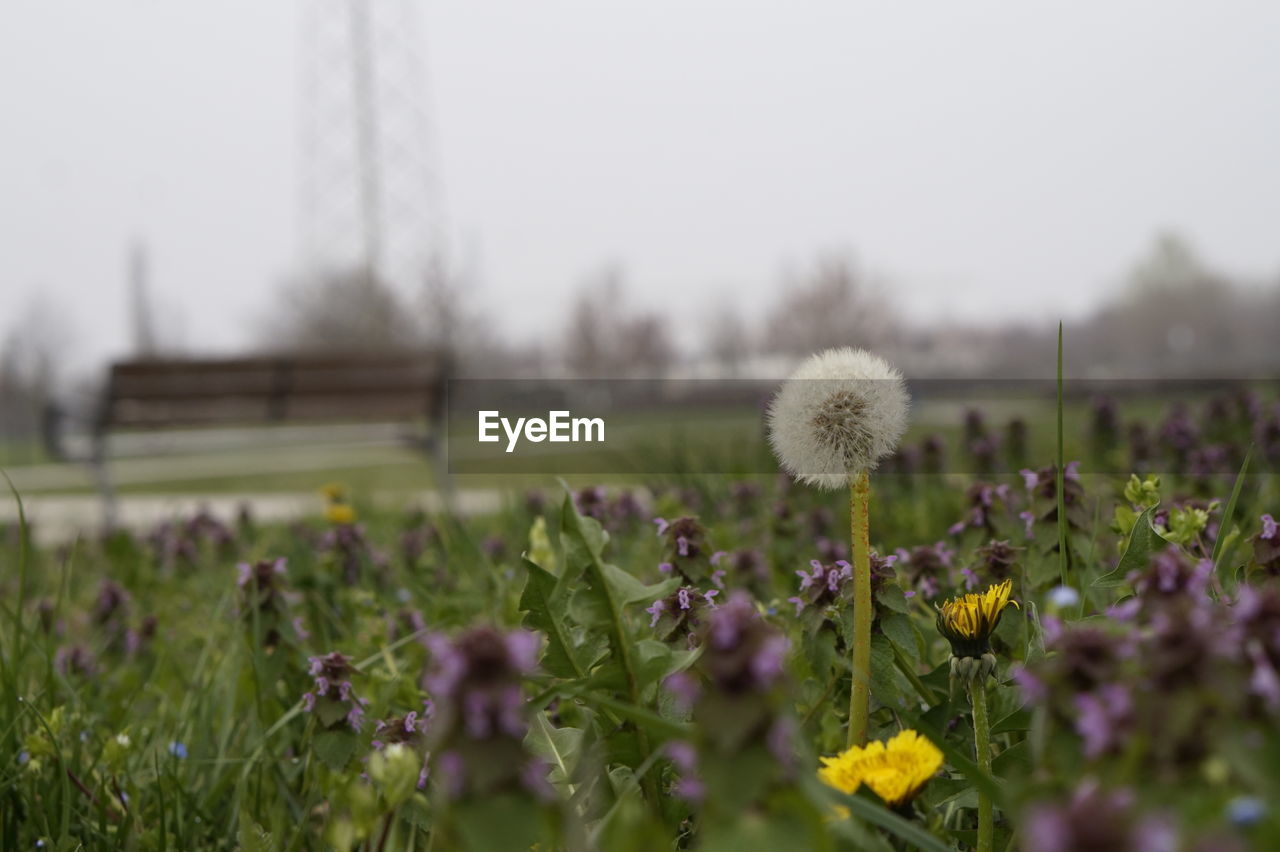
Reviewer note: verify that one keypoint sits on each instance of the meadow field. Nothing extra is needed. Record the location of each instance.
(663, 660)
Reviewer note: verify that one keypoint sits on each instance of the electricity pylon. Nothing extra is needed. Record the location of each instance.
(370, 202)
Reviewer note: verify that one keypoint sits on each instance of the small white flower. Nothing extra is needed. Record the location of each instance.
(840, 413)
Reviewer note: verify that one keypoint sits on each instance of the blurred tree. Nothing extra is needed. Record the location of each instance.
(833, 305)
(728, 340)
(604, 340)
(1176, 315)
(31, 356)
(346, 310)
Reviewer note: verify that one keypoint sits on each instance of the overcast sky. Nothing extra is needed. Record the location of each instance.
(986, 159)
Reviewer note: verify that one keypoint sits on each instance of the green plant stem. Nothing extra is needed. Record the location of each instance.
(860, 529)
(982, 750)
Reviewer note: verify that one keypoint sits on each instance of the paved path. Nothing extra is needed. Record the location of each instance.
(56, 518)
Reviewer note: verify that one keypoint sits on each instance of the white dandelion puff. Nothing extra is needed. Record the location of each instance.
(840, 413)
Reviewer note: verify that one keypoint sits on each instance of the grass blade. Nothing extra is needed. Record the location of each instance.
(1229, 514)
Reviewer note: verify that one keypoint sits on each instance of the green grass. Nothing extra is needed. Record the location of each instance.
(88, 757)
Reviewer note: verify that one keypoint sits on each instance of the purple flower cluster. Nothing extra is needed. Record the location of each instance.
(408, 730)
(415, 541)
(927, 568)
(1096, 819)
(264, 601)
(738, 706)
(744, 654)
(1178, 435)
(1104, 424)
(1105, 718)
(1148, 667)
(996, 561)
(1266, 547)
(1257, 631)
(406, 621)
(475, 682)
(620, 511)
(824, 585)
(75, 661)
(1015, 438)
(741, 567)
(985, 499)
(110, 615)
(684, 760)
(477, 677)
(1042, 491)
(332, 697)
(1268, 438)
(346, 545)
(681, 613)
(687, 554)
(743, 498)
(176, 541)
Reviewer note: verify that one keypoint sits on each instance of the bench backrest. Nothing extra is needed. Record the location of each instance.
(264, 389)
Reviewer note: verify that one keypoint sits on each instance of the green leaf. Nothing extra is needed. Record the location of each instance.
(542, 604)
(334, 748)
(1018, 720)
(501, 822)
(656, 661)
(1143, 541)
(877, 814)
(629, 589)
(559, 747)
(251, 836)
(891, 596)
(330, 711)
(597, 601)
(1015, 760)
(884, 674)
(901, 632)
(664, 728)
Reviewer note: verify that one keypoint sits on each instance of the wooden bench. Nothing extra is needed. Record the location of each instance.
(264, 390)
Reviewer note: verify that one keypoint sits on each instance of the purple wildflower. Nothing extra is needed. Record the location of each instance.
(333, 697)
(1095, 820)
(1103, 718)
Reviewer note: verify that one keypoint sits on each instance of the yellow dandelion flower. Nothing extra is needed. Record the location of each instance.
(969, 620)
(340, 513)
(895, 770)
(333, 491)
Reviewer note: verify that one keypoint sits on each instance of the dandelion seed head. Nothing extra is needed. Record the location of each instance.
(840, 413)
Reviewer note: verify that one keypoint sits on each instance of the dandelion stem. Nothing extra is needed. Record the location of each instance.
(1061, 489)
(860, 529)
(982, 750)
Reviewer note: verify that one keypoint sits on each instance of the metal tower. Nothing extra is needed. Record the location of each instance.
(370, 202)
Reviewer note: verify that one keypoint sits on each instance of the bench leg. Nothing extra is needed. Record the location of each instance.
(438, 449)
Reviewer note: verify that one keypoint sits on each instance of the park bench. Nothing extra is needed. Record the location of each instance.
(179, 393)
